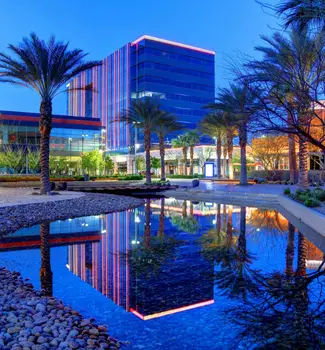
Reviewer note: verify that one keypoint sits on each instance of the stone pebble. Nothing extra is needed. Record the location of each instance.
(31, 321)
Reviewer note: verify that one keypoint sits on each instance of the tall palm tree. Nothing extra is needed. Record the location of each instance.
(165, 125)
(225, 120)
(46, 274)
(211, 125)
(239, 102)
(193, 139)
(144, 114)
(296, 65)
(45, 67)
(303, 13)
(182, 141)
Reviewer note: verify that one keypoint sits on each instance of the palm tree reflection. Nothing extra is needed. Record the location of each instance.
(149, 256)
(186, 223)
(46, 275)
(281, 313)
(234, 276)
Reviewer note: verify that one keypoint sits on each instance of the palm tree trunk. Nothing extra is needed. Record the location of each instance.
(147, 233)
(218, 218)
(184, 209)
(218, 151)
(46, 275)
(302, 255)
(303, 163)
(242, 233)
(161, 229)
(191, 209)
(224, 161)
(45, 127)
(290, 250)
(162, 157)
(147, 142)
(185, 160)
(229, 225)
(292, 153)
(191, 160)
(292, 158)
(230, 148)
(243, 158)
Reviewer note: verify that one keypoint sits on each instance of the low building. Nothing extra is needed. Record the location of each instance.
(70, 136)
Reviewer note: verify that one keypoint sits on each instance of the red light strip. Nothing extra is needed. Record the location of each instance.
(172, 311)
(174, 43)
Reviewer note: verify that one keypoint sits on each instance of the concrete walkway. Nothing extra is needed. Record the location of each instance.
(24, 195)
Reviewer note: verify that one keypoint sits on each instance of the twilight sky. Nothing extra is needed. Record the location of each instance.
(101, 26)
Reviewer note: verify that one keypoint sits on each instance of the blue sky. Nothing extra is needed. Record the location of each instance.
(101, 26)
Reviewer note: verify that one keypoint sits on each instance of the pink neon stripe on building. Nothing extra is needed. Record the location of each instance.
(174, 43)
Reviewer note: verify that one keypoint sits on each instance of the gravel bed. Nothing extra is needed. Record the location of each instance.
(31, 321)
(14, 217)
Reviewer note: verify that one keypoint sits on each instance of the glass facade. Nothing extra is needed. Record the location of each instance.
(65, 138)
(182, 77)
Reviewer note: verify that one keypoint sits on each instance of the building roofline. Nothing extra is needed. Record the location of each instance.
(174, 43)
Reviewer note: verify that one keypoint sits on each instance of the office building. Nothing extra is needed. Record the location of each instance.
(181, 77)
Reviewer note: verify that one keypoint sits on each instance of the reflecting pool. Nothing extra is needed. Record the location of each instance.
(183, 275)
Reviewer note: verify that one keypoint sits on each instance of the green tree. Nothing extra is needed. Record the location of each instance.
(92, 162)
(166, 124)
(58, 165)
(140, 163)
(46, 68)
(108, 164)
(144, 114)
(154, 163)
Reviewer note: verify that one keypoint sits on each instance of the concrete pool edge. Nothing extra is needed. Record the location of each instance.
(310, 217)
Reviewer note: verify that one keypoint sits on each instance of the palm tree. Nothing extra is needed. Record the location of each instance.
(46, 68)
(294, 65)
(193, 139)
(182, 141)
(165, 125)
(46, 274)
(303, 13)
(144, 114)
(239, 102)
(211, 125)
(225, 120)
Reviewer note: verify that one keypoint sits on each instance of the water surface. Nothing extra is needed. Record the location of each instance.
(182, 275)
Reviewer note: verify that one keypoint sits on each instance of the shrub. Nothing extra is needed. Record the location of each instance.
(131, 177)
(320, 195)
(287, 191)
(311, 202)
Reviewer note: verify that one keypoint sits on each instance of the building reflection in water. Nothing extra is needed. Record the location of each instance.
(139, 264)
(151, 262)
